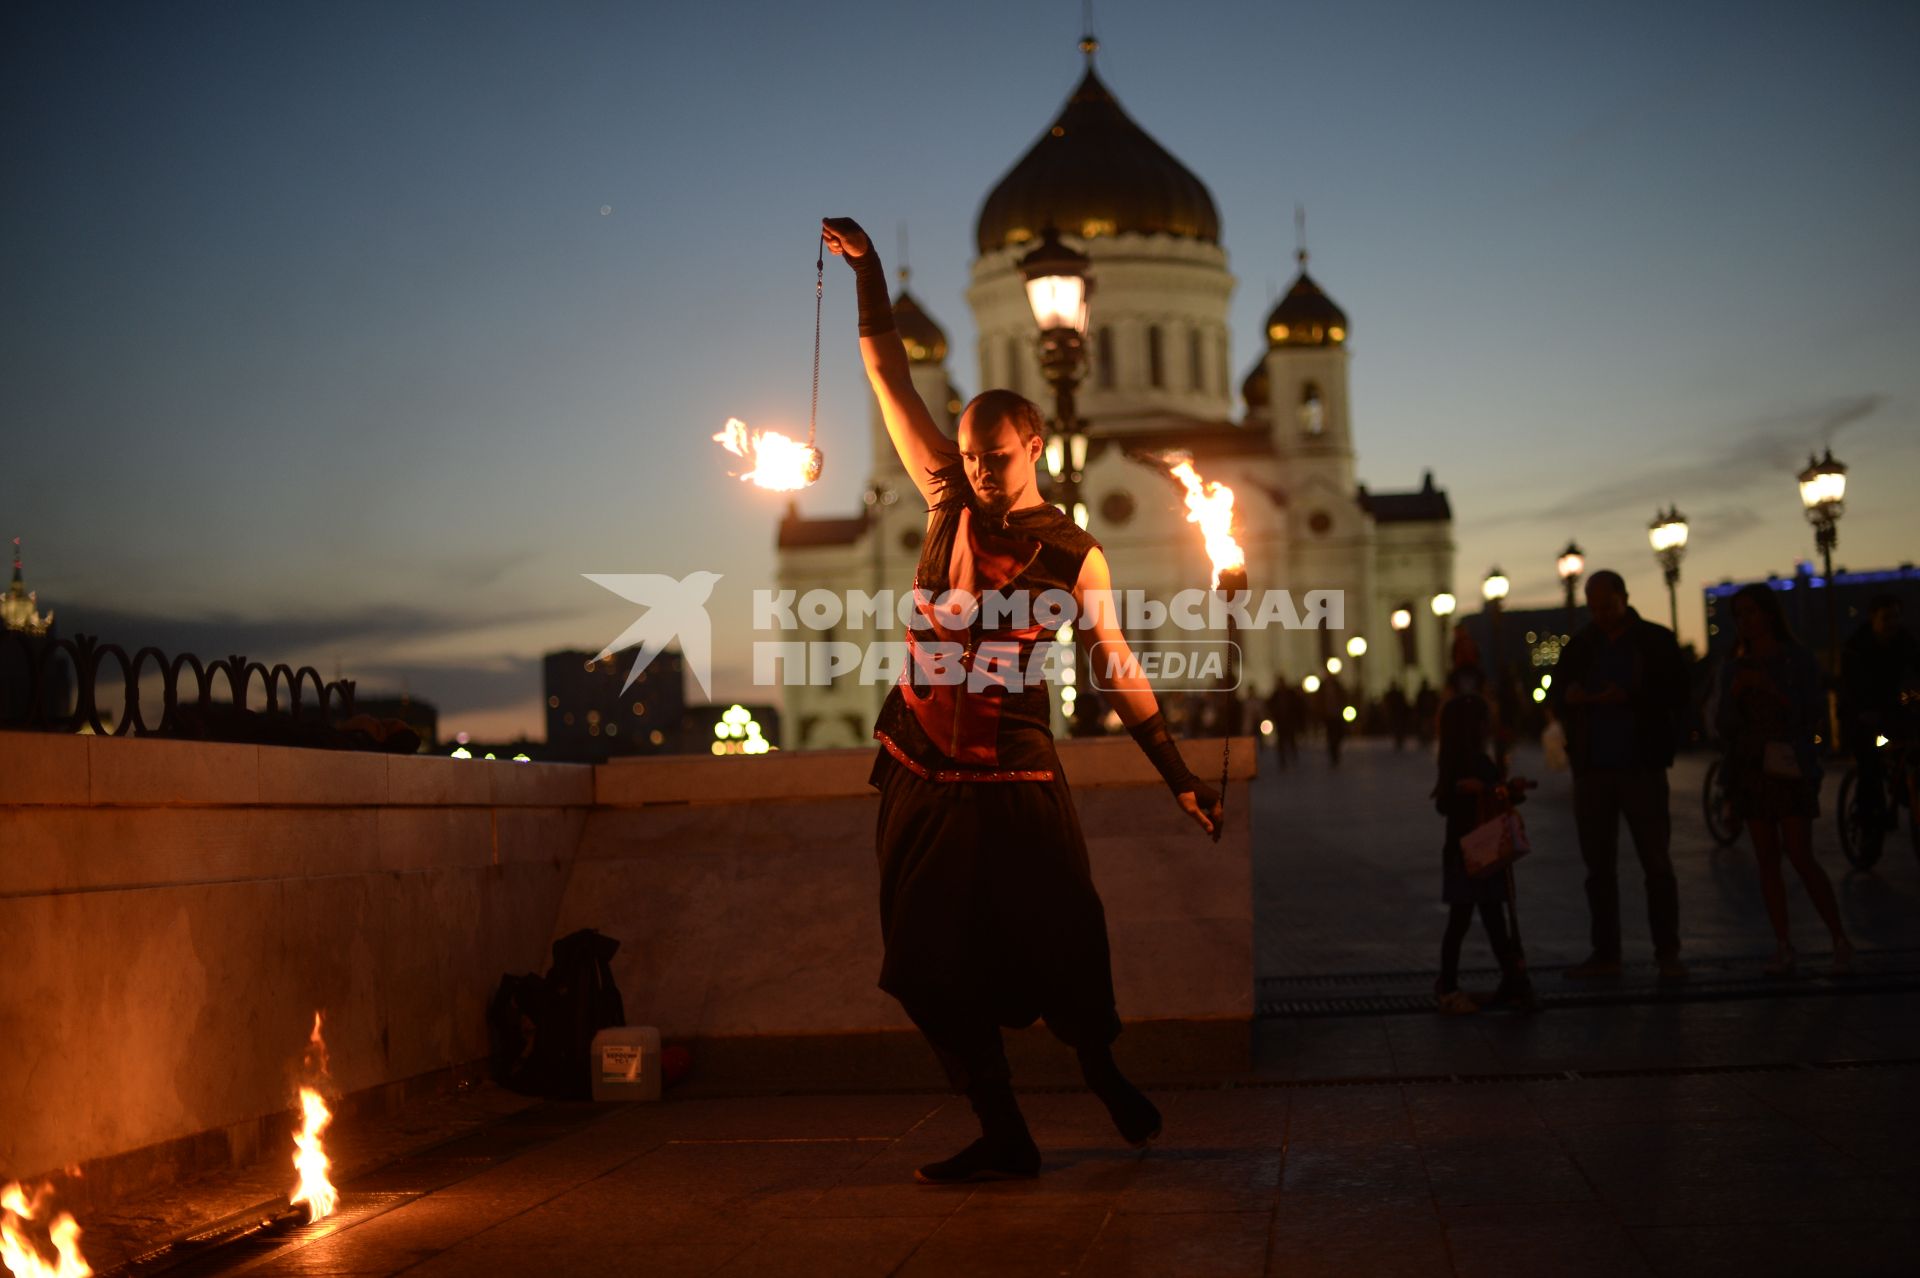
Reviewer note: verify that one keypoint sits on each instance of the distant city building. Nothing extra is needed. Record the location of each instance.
(1803, 597)
(589, 718)
(421, 716)
(1159, 369)
(1530, 638)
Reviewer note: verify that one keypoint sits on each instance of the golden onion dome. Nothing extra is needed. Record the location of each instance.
(1306, 316)
(1256, 390)
(925, 341)
(1095, 172)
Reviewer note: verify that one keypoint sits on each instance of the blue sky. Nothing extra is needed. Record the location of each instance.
(315, 342)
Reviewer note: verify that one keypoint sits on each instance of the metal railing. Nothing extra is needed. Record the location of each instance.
(34, 695)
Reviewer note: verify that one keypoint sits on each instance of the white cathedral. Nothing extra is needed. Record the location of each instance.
(1157, 379)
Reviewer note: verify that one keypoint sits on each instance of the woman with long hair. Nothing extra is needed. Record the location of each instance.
(1771, 707)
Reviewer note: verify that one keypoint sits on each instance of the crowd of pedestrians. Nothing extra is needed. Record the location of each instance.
(1620, 703)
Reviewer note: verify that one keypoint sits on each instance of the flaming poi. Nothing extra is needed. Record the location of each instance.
(777, 462)
(309, 1158)
(22, 1254)
(1210, 505)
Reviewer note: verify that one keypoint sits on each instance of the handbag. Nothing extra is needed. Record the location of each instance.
(1778, 760)
(1494, 844)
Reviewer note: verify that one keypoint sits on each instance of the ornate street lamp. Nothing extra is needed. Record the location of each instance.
(1057, 290)
(1667, 534)
(1570, 565)
(1444, 604)
(1823, 491)
(1402, 623)
(1494, 589)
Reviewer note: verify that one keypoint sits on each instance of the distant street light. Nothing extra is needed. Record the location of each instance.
(1668, 536)
(1494, 589)
(1823, 491)
(1570, 565)
(1402, 623)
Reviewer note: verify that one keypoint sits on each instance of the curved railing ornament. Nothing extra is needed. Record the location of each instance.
(28, 665)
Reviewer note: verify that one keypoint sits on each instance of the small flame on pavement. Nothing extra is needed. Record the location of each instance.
(309, 1158)
(779, 462)
(1210, 505)
(22, 1254)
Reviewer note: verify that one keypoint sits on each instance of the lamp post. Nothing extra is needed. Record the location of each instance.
(878, 497)
(1823, 491)
(1668, 536)
(1402, 623)
(1494, 589)
(1443, 605)
(1057, 290)
(1570, 565)
(1357, 648)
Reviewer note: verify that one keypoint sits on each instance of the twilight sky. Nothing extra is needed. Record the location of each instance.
(316, 343)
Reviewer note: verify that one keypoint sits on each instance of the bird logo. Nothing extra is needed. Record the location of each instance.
(676, 608)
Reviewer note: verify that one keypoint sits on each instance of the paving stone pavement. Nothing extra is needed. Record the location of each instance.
(1347, 875)
(1772, 1133)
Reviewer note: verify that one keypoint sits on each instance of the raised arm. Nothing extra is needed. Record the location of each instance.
(1117, 675)
(922, 448)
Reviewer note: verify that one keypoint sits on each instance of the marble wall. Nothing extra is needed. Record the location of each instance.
(173, 913)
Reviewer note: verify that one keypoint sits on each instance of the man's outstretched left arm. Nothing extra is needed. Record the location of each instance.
(1131, 696)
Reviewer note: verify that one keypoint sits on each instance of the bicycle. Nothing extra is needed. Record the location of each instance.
(1861, 839)
(1723, 823)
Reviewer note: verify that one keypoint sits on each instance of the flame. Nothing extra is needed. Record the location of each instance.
(1210, 505)
(309, 1159)
(21, 1254)
(779, 463)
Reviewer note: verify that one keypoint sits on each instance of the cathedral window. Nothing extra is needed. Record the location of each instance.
(1103, 357)
(1313, 413)
(1196, 362)
(1013, 365)
(1156, 357)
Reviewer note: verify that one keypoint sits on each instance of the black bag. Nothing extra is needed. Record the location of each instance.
(542, 1029)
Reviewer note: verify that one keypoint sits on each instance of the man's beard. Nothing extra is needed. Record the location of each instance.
(998, 505)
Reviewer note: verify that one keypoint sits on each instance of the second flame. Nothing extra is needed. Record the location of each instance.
(1210, 505)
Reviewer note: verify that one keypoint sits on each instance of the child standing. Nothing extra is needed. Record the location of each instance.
(1469, 791)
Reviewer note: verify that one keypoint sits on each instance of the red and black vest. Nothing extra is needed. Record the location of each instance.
(994, 724)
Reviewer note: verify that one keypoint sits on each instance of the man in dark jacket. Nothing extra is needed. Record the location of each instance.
(1620, 689)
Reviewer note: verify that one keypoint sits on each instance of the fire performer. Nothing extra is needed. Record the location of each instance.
(987, 905)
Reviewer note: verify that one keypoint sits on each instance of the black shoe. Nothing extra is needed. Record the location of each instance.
(983, 1160)
(1135, 1117)
(1516, 994)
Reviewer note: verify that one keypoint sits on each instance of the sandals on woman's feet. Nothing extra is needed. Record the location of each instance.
(1783, 962)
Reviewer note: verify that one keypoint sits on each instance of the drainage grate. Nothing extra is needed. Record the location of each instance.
(251, 1236)
(239, 1240)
